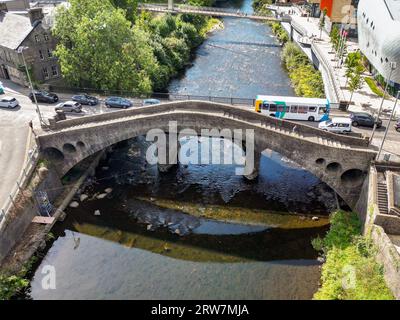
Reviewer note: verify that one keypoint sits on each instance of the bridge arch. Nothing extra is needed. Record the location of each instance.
(339, 161)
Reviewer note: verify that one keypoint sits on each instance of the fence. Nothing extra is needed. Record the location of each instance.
(21, 183)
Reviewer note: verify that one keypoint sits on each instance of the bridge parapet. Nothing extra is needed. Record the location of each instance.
(212, 108)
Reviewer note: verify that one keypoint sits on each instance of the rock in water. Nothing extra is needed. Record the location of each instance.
(315, 218)
(101, 196)
(97, 212)
(83, 197)
(108, 190)
(149, 226)
(74, 204)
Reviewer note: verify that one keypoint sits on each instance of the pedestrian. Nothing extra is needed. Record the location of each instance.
(295, 129)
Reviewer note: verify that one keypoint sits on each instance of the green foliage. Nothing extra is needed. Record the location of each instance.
(350, 271)
(306, 80)
(280, 32)
(99, 48)
(260, 6)
(374, 87)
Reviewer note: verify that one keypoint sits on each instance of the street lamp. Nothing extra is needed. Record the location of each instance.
(388, 126)
(21, 51)
(393, 67)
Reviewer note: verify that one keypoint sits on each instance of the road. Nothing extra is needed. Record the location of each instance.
(14, 131)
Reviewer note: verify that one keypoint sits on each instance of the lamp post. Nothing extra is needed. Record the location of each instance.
(393, 67)
(21, 51)
(388, 126)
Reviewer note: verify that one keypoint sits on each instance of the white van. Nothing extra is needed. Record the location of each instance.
(336, 125)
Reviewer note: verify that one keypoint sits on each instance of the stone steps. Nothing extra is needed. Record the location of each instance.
(382, 198)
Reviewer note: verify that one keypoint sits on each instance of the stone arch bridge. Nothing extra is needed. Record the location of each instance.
(341, 161)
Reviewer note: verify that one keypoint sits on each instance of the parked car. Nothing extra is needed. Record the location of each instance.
(1, 88)
(336, 125)
(8, 102)
(44, 96)
(69, 106)
(118, 102)
(85, 99)
(364, 119)
(397, 126)
(149, 102)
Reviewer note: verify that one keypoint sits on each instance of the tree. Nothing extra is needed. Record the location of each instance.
(335, 37)
(98, 48)
(355, 83)
(130, 7)
(322, 21)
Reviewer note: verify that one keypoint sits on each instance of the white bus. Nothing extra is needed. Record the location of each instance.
(293, 108)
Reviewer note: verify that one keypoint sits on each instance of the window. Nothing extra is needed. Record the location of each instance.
(49, 53)
(37, 38)
(280, 108)
(312, 109)
(272, 107)
(41, 55)
(54, 70)
(265, 106)
(45, 73)
(293, 109)
(46, 37)
(303, 109)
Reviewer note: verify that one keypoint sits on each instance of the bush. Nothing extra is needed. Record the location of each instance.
(374, 87)
(350, 271)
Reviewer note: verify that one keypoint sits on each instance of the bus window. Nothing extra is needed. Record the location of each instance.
(272, 107)
(303, 109)
(265, 106)
(312, 109)
(280, 108)
(293, 109)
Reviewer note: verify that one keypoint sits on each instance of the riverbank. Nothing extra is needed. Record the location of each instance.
(350, 271)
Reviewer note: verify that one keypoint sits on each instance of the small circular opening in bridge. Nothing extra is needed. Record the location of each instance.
(53, 154)
(333, 167)
(320, 161)
(69, 148)
(352, 177)
(80, 144)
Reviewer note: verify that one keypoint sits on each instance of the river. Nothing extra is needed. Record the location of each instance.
(198, 231)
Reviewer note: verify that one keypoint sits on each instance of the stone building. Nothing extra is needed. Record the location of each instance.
(26, 31)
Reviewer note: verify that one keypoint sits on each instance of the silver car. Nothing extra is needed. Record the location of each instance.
(8, 102)
(69, 106)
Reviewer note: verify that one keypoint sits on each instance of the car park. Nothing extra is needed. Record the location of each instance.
(85, 99)
(69, 106)
(364, 119)
(336, 125)
(44, 96)
(8, 102)
(150, 102)
(117, 102)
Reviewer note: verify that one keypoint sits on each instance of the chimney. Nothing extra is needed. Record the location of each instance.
(35, 14)
(3, 7)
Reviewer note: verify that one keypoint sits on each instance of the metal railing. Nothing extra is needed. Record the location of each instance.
(328, 69)
(21, 183)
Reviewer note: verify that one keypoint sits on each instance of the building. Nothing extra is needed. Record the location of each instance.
(379, 39)
(341, 13)
(314, 8)
(25, 30)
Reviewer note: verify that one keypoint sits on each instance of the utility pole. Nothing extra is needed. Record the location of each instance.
(388, 126)
(393, 66)
(21, 50)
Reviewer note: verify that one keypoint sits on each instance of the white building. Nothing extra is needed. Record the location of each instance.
(379, 38)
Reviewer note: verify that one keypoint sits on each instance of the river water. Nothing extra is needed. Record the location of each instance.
(198, 231)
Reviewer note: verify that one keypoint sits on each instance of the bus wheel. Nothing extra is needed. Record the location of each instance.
(311, 119)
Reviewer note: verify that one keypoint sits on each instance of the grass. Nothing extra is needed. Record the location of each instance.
(374, 87)
(350, 271)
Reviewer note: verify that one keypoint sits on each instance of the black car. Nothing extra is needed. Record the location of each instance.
(44, 96)
(364, 119)
(85, 99)
(118, 102)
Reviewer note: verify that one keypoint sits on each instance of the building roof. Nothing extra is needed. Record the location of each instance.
(14, 28)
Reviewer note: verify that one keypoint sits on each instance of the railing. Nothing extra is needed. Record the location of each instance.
(328, 70)
(21, 183)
